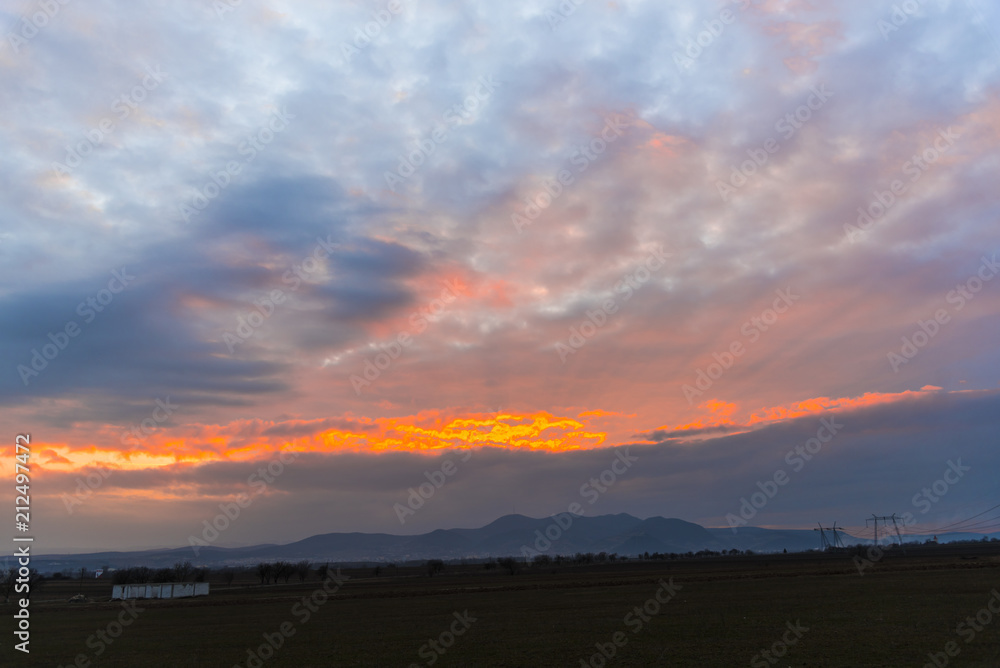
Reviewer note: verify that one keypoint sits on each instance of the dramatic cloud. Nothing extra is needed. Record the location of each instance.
(374, 237)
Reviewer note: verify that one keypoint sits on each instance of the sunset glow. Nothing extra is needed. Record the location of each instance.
(494, 239)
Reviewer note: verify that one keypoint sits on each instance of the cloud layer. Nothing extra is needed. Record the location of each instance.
(367, 235)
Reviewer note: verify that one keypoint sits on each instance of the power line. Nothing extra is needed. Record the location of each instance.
(885, 523)
(978, 527)
(954, 524)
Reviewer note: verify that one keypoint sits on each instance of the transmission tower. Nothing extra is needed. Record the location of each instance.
(898, 535)
(836, 536)
(885, 520)
(824, 541)
(875, 520)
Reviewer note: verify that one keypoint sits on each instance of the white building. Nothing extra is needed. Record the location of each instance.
(160, 590)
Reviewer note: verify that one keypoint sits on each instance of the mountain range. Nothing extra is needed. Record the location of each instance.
(510, 535)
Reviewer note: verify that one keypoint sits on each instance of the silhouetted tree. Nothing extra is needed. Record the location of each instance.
(35, 581)
(182, 571)
(302, 569)
(8, 580)
(283, 569)
(434, 566)
(510, 564)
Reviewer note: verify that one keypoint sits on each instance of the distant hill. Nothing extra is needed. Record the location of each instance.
(508, 535)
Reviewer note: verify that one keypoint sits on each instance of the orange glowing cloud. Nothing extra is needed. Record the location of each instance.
(824, 404)
(720, 414)
(599, 413)
(664, 144)
(428, 432)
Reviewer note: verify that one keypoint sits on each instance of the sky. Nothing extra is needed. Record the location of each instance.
(297, 259)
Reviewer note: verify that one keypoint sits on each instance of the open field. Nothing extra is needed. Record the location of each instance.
(724, 612)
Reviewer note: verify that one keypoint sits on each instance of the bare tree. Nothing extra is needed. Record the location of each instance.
(228, 575)
(302, 569)
(434, 566)
(35, 581)
(8, 582)
(264, 571)
(283, 569)
(510, 564)
(322, 570)
(8, 578)
(182, 571)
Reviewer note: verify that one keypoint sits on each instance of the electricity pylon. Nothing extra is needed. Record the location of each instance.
(885, 519)
(824, 541)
